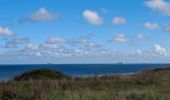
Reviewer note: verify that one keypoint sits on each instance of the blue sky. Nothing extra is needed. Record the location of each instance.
(84, 31)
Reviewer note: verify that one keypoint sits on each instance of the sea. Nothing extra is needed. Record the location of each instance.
(7, 72)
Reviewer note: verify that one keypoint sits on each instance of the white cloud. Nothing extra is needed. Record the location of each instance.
(139, 52)
(82, 40)
(151, 26)
(42, 15)
(161, 6)
(38, 54)
(167, 28)
(32, 46)
(144, 53)
(119, 21)
(83, 47)
(92, 17)
(80, 52)
(55, 40)
(160, 50)
(14, 42)
(140, 36)
(49, 46)
(120, 38)
(6, 31)
(92, 45)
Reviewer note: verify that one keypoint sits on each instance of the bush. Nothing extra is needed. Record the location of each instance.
(40, 74)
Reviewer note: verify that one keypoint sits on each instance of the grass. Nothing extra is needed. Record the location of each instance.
(146, 85)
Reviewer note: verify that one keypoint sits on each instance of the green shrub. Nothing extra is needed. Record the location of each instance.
(40, 74)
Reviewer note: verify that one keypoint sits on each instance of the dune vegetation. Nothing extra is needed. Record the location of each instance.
(45, 84)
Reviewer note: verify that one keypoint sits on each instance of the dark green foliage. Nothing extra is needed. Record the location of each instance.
(40, 74)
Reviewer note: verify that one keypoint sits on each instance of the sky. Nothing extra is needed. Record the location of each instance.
(84, 31)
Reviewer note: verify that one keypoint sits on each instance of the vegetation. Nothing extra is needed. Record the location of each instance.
(50, 85)
(40, 74)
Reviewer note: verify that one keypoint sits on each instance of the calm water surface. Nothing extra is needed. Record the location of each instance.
(81, 70)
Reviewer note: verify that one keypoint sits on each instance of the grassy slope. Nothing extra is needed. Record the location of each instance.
(147, 85)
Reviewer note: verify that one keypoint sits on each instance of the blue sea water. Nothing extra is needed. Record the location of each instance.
(80, 70)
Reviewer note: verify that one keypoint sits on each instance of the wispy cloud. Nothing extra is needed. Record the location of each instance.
(14, 42)
(31, 46)
(56, 40)
(151, 26)
(119, 37)
(141, 36)
(166, 28)
(119, 21)
(42, 15)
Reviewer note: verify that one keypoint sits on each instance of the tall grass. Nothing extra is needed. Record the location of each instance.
(147, 85)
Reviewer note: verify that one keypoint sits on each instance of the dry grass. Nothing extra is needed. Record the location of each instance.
(147, 85)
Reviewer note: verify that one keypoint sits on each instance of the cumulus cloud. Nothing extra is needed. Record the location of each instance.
(44, 50)
(92, 17)
(56, 40)
(160, 50)
(119, 37)
(160, 6)
(14, 42)
(31, 46)
(42, 15)
(92, 45)
(80, 52)
(85, 42)
(80, 41)
(84, 47)
(141, 36)
(48, 46)
(76, 47)
(167, 28)
(6, 31)
(38, 54)
(119, 21)
(139, 52)
(145, 53)
(151, 26)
